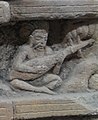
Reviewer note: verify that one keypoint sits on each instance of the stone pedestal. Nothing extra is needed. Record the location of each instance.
(41, 106)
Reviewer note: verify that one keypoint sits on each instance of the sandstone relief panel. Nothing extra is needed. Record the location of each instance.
(33, 61)
(48, 58)
(36, 62)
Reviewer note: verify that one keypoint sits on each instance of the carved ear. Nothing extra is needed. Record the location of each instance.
(30, 36)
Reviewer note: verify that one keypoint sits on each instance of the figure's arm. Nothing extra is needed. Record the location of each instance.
(43, 64)
(68, 51)
(19, 62)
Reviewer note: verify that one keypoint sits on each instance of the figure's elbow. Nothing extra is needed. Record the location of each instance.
(17, 66)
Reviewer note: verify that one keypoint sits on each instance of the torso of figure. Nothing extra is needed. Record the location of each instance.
(34, 53)
(27, 53)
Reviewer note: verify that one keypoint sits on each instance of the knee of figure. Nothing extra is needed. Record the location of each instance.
(57, 79)
(15, 82)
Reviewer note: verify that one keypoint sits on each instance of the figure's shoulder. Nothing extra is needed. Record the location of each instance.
(24, 48)
(49, 50)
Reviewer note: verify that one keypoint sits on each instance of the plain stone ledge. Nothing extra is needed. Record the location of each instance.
(42, 105)
(53, 9)
(47, 9)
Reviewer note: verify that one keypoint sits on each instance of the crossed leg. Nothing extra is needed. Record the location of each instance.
(51, 82)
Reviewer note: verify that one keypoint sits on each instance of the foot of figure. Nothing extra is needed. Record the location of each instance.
(25, 86)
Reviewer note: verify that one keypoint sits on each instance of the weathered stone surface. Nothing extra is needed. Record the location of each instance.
(41, 106)
(6, 110)
(36, 108)
(47, 106)
(94, 118)
(53, 9)
(4, 12)
(93, 82)
(76, 71)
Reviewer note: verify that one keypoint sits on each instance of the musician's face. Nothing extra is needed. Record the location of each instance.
(39, 39)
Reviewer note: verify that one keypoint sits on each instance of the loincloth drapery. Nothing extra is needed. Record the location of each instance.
(23, 75)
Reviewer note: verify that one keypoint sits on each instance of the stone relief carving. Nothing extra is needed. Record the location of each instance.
(29, 63)
(33, 65)
(34, 60)
(48, 58)
(37, 67)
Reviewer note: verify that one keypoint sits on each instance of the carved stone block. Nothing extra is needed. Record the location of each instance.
(39, 108)
(4, 12)
(48, 58)
(6, 110)
(53, 9)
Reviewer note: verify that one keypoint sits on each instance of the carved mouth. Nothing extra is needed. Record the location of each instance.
(40, 47)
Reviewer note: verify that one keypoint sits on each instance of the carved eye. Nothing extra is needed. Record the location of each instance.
(38, 37)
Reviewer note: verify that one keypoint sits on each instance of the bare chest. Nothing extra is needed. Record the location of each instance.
(33, 54)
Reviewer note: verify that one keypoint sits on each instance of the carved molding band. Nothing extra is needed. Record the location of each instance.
(53, 9)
